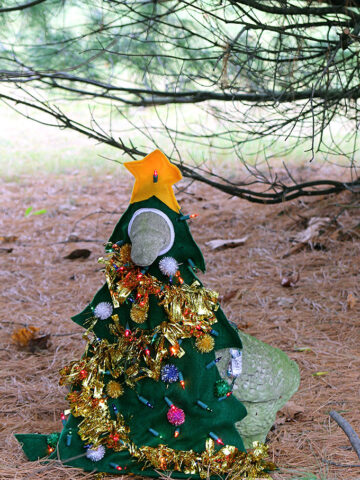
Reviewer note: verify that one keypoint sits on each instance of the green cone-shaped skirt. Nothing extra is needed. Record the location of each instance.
(150, 442)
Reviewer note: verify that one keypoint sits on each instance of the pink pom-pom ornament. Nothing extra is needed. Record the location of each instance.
(176, 416)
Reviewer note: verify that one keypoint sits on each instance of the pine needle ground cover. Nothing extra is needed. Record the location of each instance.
(313, 317)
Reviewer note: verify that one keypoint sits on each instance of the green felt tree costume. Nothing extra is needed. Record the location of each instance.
(146, 396)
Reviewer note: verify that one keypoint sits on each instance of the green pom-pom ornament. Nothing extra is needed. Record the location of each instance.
(221, 388)
(52, 439)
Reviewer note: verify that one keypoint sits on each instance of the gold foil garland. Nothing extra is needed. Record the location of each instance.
(98, 428)
(190, 304)
(125, 254)
(227, 461)
(140, 353)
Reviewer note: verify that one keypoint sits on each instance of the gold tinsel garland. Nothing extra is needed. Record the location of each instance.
(182, 303)
(227, 461)
(190, 311)
(134, 355)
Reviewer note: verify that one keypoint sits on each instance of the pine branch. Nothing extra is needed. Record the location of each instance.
(281, 193)
(21, 7)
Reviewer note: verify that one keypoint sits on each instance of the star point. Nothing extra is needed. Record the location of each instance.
(154, 176)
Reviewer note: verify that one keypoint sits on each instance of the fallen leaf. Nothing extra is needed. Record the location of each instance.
(307, 236)
(8, 238)
(243, 326)
(218, 244)
(229, 296)
(302, 349)
(280, 420)
(290, 280)
(73, 237)
(6, 250)
(40, 212)
(30, 211)
(39, 343)
(320, 374)
(350, 301)
(291, 410)
(79, 253)
(315, 224)
(22, 336)
(26, 338)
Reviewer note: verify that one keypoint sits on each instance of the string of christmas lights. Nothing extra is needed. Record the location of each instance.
(137, 353)
(182, 303)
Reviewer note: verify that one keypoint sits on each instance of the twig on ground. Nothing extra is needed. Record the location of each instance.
(329, 462)
(350, 433)
(79, 240)
(66, 334)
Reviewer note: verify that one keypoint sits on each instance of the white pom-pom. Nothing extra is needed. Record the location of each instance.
(96, 454)
(168, 266)
(103, 310)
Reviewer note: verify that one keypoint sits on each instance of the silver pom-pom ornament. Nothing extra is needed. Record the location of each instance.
(103, 310)
(168, 266)
(96, 454)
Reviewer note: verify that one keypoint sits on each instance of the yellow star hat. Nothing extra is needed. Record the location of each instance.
(154, 176)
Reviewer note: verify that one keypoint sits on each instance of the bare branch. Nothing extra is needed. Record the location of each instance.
(21, 7)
